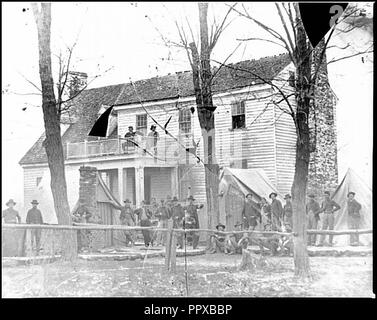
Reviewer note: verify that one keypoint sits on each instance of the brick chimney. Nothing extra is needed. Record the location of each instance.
(88, 188)
(323, 164)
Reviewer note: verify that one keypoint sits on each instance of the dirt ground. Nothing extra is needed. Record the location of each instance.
(207, 275)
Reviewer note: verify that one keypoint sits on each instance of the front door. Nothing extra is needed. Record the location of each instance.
(147, 189)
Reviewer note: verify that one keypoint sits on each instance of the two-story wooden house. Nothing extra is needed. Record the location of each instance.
(252, 131)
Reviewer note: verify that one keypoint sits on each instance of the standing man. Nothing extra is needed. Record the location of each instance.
(130, 136)
(288, 213)
(328, 207)
(144, 217)
(192, 210)
(312, 212)
(127, 218)
(10, 215)
(153, 137)
(251, 213)
(34, 216)
(354, 217)
(163, 214)
(276, 211)
(266, 214)
(11, 239)
(177, 213)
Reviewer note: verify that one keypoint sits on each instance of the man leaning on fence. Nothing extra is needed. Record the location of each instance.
(354, 217)
(328, 207)
(34, 216)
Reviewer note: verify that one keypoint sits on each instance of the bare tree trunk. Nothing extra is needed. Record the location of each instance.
(301, 259)
(52, 143)
(202, 79)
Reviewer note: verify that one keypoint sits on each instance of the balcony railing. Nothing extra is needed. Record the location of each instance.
(166, 149)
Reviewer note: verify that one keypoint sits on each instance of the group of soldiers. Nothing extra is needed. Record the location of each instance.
(266, 216)
(275, 216)
(181, 216)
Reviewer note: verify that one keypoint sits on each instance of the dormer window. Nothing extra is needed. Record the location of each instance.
(238, 115)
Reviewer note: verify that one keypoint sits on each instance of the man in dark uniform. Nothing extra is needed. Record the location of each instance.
(251, 213)
(354, 217)
(34, 216)
(218, 240)
(276, 211)
(312, 213)
(192, 210)
(177, 213)
(328, 207)
(127, 218)
(163, 215)
(187, 222)
(144, 217)
(129, 146)
(288, 213)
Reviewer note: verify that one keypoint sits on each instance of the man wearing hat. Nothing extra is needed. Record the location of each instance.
(218, 240)
(188, 222)
(328, 208)
(162, 214)
(11, 239)
(312, 213)
(288, 213)
(10, 215)
(237, 241)
(34, 216)
(192, 210)
(177, 213)
(152, 139)
(144, 218)
(251, 213)
(276, 210)
(127, 218)
(354, 217)
(130, 136)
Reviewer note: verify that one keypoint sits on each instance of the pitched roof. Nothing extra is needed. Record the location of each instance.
(88, 103)
(229, 77)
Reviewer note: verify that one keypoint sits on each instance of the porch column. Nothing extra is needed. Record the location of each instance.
(121, 185)
(174, 182)
(139, 185)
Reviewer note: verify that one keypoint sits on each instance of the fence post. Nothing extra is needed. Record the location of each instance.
(173, 252)
(168, 245)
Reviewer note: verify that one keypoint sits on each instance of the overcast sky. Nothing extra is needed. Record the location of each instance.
(125, 39)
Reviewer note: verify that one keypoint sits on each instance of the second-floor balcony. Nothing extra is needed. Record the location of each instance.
(166, 149)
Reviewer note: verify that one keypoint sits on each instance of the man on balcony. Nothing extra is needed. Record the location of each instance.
(152, 139)
(129, 145)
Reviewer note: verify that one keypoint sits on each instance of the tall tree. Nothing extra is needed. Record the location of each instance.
(295, 41)
(51, 116)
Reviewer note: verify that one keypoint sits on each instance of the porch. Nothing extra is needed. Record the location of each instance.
(165, 151)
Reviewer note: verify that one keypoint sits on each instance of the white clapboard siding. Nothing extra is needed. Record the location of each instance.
(285, 137)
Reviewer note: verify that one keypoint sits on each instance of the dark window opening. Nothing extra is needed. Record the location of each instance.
(141, 123)
(238, 115)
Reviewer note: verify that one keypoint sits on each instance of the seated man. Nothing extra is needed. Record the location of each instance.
(218, 240)
(237, 241)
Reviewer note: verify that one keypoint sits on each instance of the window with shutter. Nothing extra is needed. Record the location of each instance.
(238, 115)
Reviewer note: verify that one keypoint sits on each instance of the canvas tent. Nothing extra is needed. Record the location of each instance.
(352, 182)
(234, 185)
